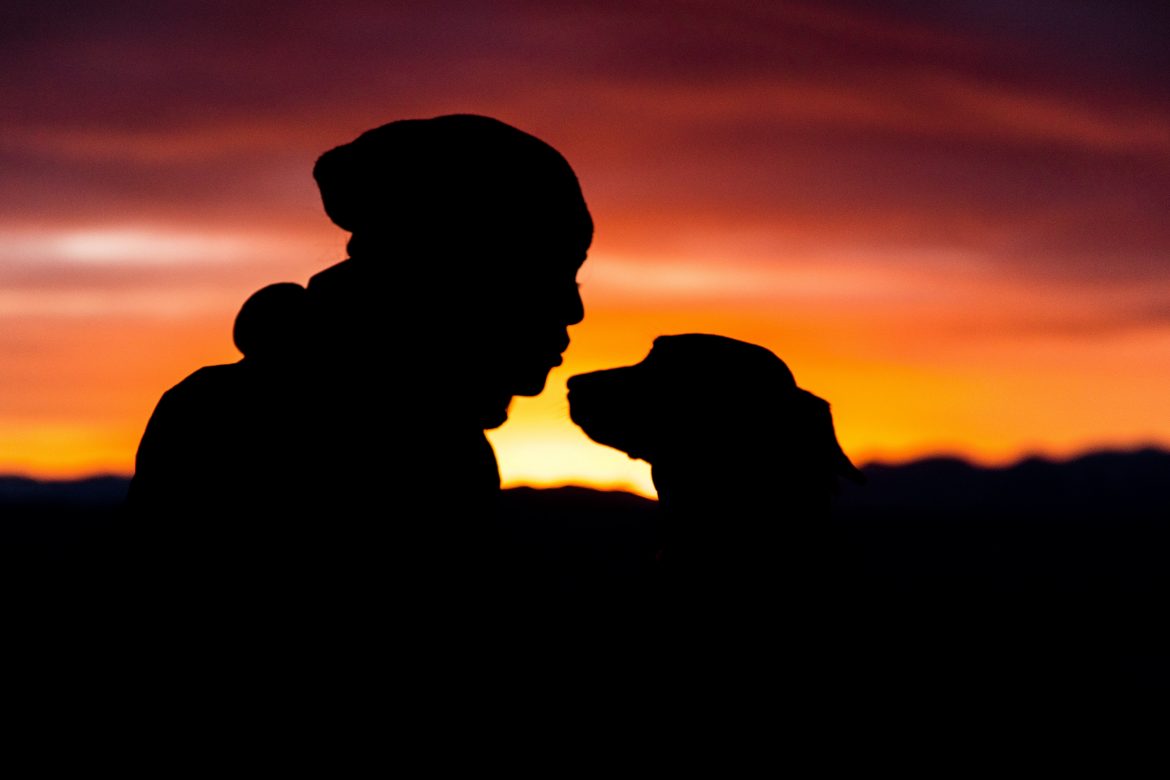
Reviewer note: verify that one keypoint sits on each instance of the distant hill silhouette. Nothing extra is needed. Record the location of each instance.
(1101, 520)
(1129, 484)
(93, 492)
(49, 518)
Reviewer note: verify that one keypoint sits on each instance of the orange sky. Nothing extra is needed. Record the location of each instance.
(949, 219)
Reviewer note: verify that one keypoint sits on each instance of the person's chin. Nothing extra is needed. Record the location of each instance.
(493, 418)
(529, 386)
(494, 411)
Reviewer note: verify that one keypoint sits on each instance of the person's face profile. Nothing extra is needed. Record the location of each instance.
(527, 309)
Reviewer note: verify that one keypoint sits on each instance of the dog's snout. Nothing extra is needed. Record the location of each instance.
(578, 393)
(581, 382)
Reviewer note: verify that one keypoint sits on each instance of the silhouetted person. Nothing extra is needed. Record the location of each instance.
(348, 444)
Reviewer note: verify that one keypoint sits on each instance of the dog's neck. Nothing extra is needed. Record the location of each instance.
(734, 482)
(737, 509)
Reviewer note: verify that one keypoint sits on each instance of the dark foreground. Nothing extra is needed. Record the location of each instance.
(942, 576)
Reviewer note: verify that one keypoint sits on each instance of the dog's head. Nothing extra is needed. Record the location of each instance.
(705, 400)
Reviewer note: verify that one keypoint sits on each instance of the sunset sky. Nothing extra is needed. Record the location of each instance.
(949, 218)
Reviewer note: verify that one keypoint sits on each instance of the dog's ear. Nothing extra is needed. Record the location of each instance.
(819, 438)
(842, 466)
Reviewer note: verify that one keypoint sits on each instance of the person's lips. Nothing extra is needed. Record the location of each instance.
(561, 346)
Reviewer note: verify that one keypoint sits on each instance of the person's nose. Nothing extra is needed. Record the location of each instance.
(574, 310)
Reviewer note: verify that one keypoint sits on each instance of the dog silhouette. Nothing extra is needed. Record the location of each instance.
(744, 461)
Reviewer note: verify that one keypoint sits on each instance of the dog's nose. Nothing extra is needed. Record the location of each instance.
(580, 386)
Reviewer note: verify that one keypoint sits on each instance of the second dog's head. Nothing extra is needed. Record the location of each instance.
(704, 402)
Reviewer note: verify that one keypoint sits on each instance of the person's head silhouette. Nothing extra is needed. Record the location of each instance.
(472, 232)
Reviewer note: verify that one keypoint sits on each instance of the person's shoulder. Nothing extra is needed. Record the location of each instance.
(191, 411)
(205, 382)
(209, 376)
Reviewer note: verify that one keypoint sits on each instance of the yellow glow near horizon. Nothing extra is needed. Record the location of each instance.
(56, 451)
